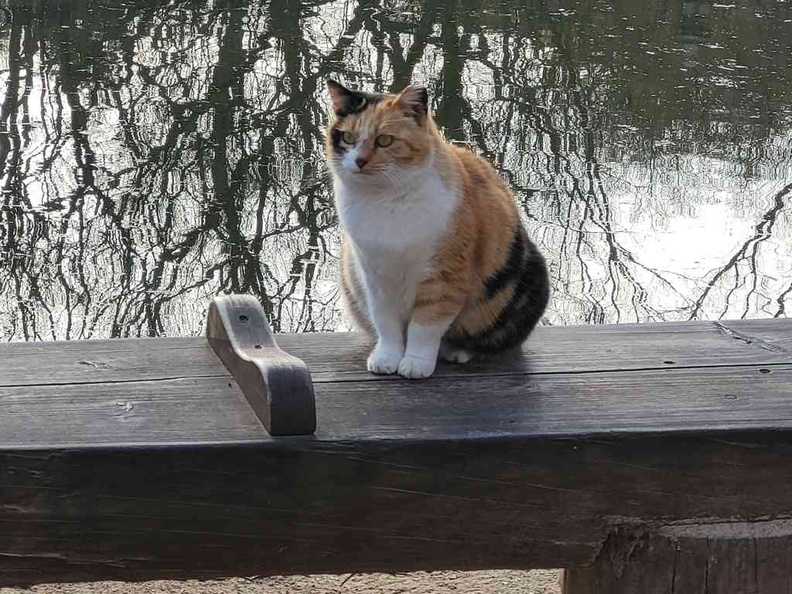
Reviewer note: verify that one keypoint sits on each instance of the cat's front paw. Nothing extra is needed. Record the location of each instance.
(383, 362)
(416, 368)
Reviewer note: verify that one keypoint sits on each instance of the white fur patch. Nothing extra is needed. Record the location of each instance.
(395, 233)
(453, 355)
(423, 343)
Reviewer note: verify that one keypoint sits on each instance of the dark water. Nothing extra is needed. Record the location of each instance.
(154, 154)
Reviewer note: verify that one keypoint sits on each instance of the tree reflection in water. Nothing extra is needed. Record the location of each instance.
(156, 153)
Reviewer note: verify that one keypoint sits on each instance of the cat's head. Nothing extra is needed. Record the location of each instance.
(378, 139)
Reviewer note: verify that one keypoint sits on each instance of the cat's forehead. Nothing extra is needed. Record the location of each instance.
(383, 113)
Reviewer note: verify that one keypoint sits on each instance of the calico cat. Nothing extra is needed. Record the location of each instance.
(434, 257)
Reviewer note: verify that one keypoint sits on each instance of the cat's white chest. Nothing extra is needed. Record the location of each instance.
(383, 222)
(395, 239)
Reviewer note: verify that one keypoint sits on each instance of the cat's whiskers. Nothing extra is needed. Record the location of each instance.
(391, 177)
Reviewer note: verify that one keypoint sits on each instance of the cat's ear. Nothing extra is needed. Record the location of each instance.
(344, 101)
(415, 100)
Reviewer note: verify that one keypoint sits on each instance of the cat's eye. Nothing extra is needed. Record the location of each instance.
(384, 140)
(348, 137)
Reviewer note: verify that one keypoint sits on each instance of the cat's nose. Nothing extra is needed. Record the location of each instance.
(361, 163)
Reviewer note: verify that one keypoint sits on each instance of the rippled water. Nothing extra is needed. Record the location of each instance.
(154, 154)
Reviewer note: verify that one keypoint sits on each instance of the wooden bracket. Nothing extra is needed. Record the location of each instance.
(277, 385)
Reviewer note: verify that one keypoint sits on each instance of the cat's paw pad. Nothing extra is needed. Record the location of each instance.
(383, 362)
(456, 355)
(416, 368)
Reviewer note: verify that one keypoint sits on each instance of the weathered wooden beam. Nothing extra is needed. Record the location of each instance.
(277, 385)
(714, 558)
(142, 459)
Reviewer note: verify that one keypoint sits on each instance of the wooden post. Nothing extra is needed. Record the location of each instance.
(277, 385)
(719, 558)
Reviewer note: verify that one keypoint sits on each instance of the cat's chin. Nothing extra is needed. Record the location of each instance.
(364, 178)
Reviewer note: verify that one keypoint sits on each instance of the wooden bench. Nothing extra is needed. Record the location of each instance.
(646, 458)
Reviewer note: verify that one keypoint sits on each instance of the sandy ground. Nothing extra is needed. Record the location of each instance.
(441, 582)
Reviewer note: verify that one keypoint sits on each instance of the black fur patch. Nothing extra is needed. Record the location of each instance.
(335, 140)
(521, 314)
(354, 101)
(511, 268)
(358, 102)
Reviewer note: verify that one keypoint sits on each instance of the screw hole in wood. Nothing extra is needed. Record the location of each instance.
(244, 319)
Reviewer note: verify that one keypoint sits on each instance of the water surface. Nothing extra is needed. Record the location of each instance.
(154, 154)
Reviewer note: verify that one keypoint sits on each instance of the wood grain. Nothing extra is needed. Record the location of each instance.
(614, 347)
(106, 361)
(136, 460)
(298, 505)
(710, 558)
(342, 356)
(213, 409)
